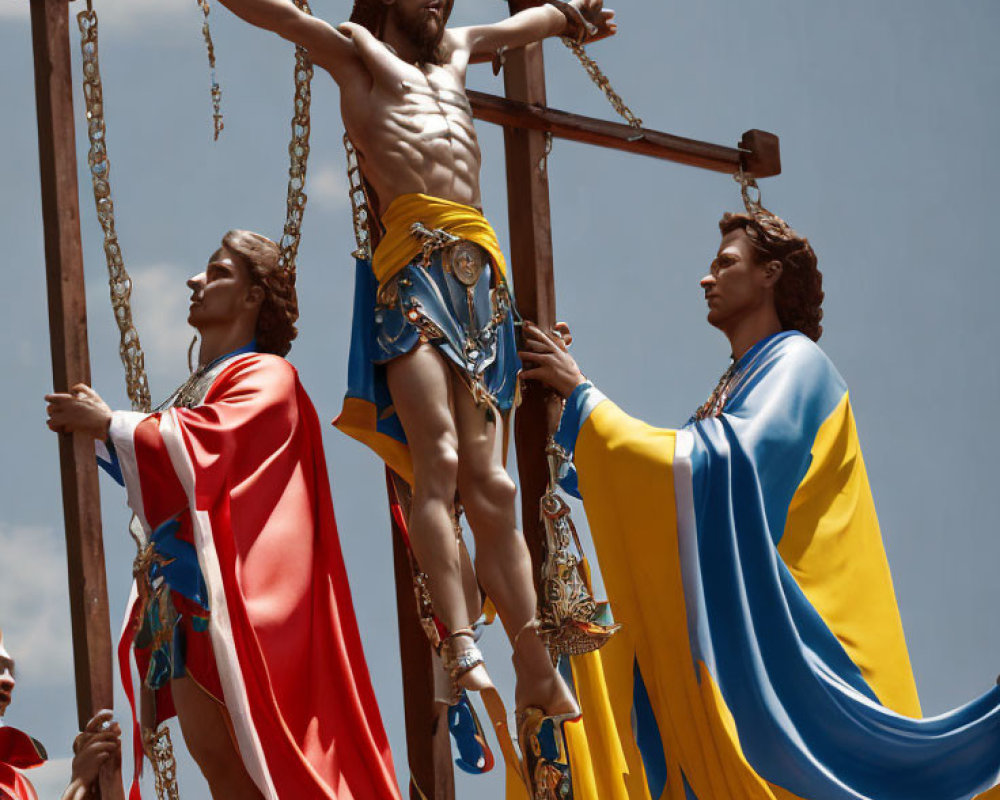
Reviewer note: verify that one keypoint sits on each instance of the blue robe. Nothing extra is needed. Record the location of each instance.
(762, 654)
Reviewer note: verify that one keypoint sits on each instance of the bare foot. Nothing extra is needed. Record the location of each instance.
(539, 683)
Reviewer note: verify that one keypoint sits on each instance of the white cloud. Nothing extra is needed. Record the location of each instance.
(327, 186)
(34, 601)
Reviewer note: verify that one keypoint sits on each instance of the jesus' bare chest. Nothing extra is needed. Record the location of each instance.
(418, 116)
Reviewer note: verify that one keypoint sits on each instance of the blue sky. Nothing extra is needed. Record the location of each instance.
(888, 121)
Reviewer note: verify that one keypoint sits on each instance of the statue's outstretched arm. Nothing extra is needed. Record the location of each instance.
(530, 25)
(327, 47)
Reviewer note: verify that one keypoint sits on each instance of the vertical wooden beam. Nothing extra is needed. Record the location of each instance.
(428, 742)
(534, 280)
(92, 648)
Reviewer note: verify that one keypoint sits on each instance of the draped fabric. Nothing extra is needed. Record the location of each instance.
(762, 654)
(247, 468)
(368, 414)
(398, 246)
(18, 751)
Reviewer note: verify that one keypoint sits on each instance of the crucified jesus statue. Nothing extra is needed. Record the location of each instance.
(435, 342)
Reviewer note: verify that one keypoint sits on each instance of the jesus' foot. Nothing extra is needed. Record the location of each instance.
(539, 684)
(463, 661)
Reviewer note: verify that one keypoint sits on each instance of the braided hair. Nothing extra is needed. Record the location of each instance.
(798, 294)
(280, 309)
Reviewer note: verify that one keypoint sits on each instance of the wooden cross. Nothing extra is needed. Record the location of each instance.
(526, 120)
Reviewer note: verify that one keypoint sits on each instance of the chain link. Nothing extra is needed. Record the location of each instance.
(601, 82)
(361, 213)
(216, 89)
(161, 748)
(119, 282)
(298, 154)
(770, 223)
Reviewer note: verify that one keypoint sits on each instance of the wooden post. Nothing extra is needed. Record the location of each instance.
(428, 742)
(92, 648)
(534, 280)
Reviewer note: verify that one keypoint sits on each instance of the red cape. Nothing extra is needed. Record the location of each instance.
(18, 751)
(248, 467)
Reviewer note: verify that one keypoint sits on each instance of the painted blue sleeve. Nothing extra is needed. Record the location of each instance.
(107, 459)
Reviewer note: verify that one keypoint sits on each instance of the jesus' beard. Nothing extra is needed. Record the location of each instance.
(424, 31)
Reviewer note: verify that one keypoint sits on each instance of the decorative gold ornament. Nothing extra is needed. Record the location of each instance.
(568, 614)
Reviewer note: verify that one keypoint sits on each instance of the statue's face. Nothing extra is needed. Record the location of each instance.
(422, 21)
(6, 678)
(222, 293)
(736, 285)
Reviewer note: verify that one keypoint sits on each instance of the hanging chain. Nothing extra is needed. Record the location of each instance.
(601, 82)
(161, 750)
(120, 283)
(216, 89)
(750, 192)
(361, 212)
(298, 154)
(770, 223)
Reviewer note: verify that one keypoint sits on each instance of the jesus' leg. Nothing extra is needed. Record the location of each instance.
(421, 387)
(503, 564)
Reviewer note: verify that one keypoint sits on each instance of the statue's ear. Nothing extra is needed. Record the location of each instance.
(772, 273)
(255, 296)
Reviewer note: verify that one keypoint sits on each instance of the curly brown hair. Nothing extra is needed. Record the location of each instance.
(280, 309)
(798, 295)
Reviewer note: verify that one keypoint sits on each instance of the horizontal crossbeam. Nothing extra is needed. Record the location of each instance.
(758, 152)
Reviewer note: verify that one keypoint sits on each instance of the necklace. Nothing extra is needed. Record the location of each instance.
(720, 394)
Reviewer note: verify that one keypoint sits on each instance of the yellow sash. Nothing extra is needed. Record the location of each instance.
(399, 247)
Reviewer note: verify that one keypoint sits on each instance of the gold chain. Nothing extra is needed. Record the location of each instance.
(216, 89)
(119, 281)
(161, 750)
(130, 349)
(361, 212)
(298, 153)
(601, 82)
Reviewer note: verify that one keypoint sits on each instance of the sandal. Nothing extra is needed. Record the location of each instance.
(461, 660)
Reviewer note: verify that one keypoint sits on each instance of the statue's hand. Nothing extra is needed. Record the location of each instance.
(98, 743)
(81, 410)
(601, 21)
(546, 358)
